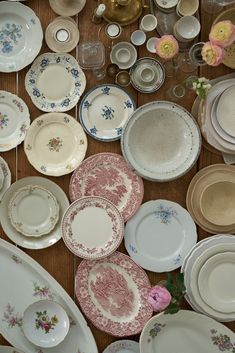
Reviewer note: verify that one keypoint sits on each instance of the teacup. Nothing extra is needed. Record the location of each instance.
(148, 23)
(138, 37)
(146, 74)
(151, 44)
(187, 28)
(123, 55)
(123, 78)
(187, 7)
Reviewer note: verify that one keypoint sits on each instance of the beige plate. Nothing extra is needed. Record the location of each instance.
(205, 176)
(67, 8)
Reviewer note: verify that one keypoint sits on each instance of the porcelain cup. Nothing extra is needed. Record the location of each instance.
(148, 23)
(123, 55)
(147, 74)
(187, 28)
(187, 7)
(151, 44)
(138, 37)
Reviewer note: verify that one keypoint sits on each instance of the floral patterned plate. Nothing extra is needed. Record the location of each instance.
(159, 235)
(26, 282)
(14, 120)
(104, 111)
(55, 144)
(6, 349)
(113, 294)
(33, 211)
(55, 82)
(123, 346)
(185, 331)
(7, 177)
(20, 36)
(108, 175)
(92, 227)
(33, 242)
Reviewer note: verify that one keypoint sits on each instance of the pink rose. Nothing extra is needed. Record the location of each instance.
(159, 298)
(212, 54)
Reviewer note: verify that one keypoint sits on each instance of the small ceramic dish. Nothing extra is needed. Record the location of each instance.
(67, 8)
(124, 55)
(33, 211)
(187, 8)
(217, 203)
(123, 78)
(187, 28)
(62, 35)
(123, 346)
(45, 323)
(148, 23)
(151, 45)
(138, 37)
(147, 75)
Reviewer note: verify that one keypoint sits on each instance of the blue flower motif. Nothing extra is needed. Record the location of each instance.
(43, 168)
(177, 260)
(77, 84)
(36, 92)
(165, 214)
(32, 81)
(93, 130)
(33, 21)
(58, 60)
(66, 119)
(133, 249)
(66, 102)
(52, 105)
(7, 47)
(119, 130)
(128, 104)
(9, 35)
(74, 72)
(105, 90)
(44, 62)
(107, 112)
(87, 105)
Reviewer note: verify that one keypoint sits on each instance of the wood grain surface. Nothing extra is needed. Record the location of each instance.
(57, 260)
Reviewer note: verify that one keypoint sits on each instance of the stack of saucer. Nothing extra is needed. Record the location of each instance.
(5, 177)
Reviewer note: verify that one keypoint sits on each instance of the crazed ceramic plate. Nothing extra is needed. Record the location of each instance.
(185, 331)
(14, 120)
(150, 147)
(113, 294)
(55, 82)
(104, 111)
(159, 235)
(92, 227)
(108, 175)
(20, 36)
(55, 144)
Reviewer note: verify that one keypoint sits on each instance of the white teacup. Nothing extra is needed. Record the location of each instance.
(123, 55)
(138, 37)
(151, 44)
(187, 7)
(187, 28)
(148, 23)
(147, 74)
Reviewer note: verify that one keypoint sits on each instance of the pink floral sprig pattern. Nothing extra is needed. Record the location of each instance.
(11, 318)
(223, 342)
(43, 292)
(44, 322)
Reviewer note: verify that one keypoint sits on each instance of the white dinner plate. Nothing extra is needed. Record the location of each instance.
(216, 282)
(55, 82)
(226, 111)
(7, 177)
(55, 144)
(14, 120)
(20, 36)
(159, 235)
(32, 242)
(123, 346)
(185, 331)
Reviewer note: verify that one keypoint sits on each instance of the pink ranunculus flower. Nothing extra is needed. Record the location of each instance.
(212, 54)
(167, 47)
(159, 298)
(222, 34)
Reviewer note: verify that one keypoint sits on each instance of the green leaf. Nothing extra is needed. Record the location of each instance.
(172, 308)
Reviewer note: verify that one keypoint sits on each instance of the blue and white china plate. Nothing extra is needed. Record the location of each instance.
(55, 82)
(104, 111)
(20, 36)
(14, 120)
(160, 235)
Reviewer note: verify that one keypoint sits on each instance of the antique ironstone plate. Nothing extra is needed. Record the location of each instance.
(92, 227)
(14, 120)
(20, 36)
(104, 111)
(123, 346)
(159, 235)
(33, 242)
(6, 177)
(55, 82)
(112, 293)
(150, 146)
(185, 331)
(55, 144)
(108, 175)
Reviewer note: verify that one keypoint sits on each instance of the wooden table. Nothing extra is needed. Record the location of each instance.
(57, 260)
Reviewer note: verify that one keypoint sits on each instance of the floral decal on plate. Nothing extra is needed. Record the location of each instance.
(105, 90)
(4, 169)
(23, 129)
(11, 318)
(177, 260)
(66, 120)
(72, 322)
(10, 34)
(87, 105)
(223, 342)
(43, 168)
(93, 130)
(16, 259)
(55, 144)
(44, 322)
(133, 249)
(43, 292)
(119, 130)
(165, 214)
(18, 104)
(3, 121)
(128, 104)
(155, 330)
(107, 112)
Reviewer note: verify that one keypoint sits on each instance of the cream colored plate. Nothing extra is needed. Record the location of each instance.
(67, 8)
(226, 112)
(55, 144)
(33, 211)
(6, 177)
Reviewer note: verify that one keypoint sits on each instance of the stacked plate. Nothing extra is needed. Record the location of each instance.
(209, 271)
(5, 177)
(210, 199)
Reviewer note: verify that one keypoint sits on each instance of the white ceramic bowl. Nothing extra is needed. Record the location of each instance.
(124, 55)
(151, 45)
(187, 7)
(187, 27)
(138, 37)
(45, 323)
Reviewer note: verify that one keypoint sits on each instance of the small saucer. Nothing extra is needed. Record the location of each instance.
(124, 55)
(147, 75)
(67, 8)
(62, 35)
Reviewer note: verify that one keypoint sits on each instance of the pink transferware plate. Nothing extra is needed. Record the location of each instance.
(113, 294)
(109, 176)
(92, 227)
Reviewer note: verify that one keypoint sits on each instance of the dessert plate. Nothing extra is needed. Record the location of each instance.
(33, 211)
(55, 82)
(20, 36)
(123, 346)
(33, 242)
(92, 227)
(104, 111)
(6, 177)
(215, 282)
(185, 331)
(151, 149)
(113, 294)
(26, 282)
(14, 120)
(147, 75)
(108, 175)
(160, 235)
(55, 144)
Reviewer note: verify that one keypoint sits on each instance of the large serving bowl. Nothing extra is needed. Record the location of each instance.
(161, 141)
